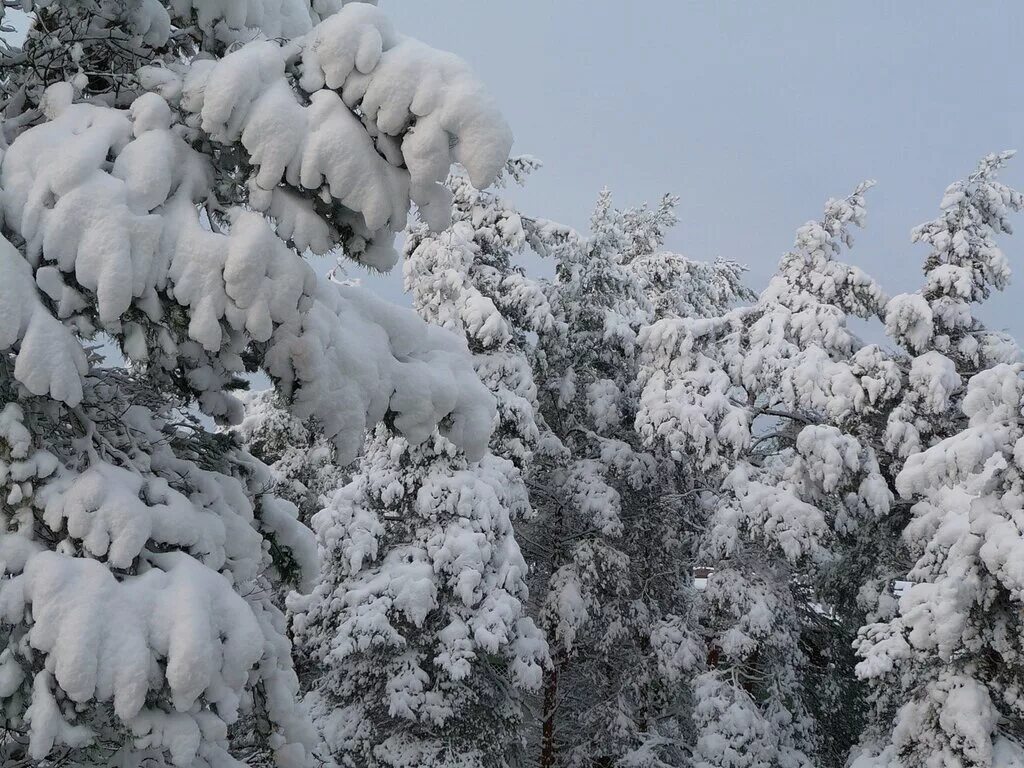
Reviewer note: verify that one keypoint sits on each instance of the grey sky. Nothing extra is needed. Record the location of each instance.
(753, 113)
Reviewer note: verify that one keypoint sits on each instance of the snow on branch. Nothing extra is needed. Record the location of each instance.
(131, 249)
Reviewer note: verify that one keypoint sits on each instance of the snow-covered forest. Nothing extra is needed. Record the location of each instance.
(631, 510)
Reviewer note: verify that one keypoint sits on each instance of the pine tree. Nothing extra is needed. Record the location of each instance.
(422, 669)
(301, 463)
(418, 624)
(762, 403)
(611, 562)
(937, 325)
(137, 548)
(945, 669)
(466, 280)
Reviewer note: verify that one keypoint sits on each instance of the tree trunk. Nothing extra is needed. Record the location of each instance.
(547, 744)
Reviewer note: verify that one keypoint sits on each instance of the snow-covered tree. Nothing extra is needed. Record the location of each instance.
(302, 463)
(466, 279)
(136, 608)
(610, 544)
(946, 669)
(420, 625)
(163, 199)
(762, 404)
(937, 325)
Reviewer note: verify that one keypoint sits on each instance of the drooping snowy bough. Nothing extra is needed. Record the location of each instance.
(166, 209)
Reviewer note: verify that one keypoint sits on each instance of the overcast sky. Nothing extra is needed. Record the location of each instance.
(753, 113)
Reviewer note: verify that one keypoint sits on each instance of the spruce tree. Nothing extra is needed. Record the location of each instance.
(165, 168)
